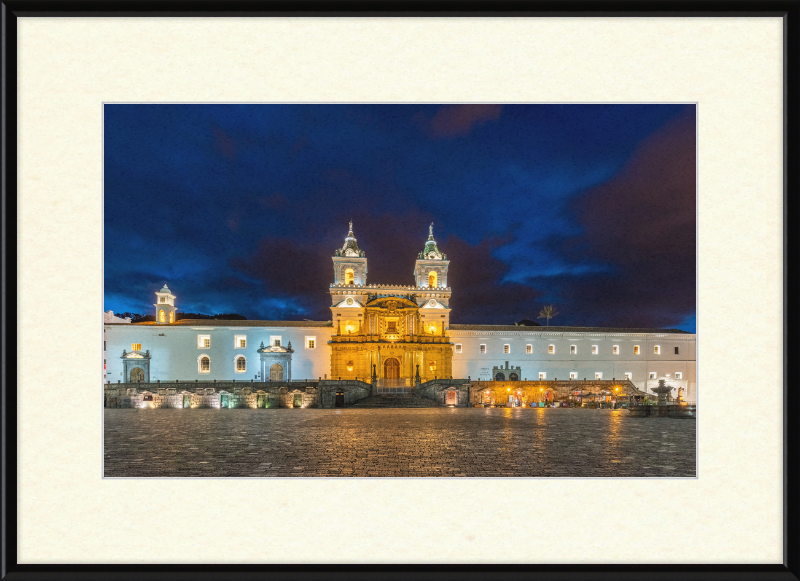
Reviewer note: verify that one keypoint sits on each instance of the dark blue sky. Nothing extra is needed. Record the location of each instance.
(240, 207)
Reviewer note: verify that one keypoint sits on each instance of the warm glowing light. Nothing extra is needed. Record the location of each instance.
(348, 276)
(349, 366)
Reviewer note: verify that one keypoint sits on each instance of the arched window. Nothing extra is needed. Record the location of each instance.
(205, 364)
(241, 364)
(161, 318)
(349, 276)
(432, 279)
(171, 317)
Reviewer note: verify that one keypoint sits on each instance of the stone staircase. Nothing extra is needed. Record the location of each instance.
(396, 401)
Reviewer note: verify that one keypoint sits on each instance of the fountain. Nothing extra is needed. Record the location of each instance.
(664, 408)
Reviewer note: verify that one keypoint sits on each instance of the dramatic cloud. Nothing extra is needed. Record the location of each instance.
(641, 226)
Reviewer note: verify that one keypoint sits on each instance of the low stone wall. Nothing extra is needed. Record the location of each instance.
(497, 392)
(231, 394)
(438, 389)
(353, 389)
(210, 395)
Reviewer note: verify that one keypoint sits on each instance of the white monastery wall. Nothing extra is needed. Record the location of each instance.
(175, 353)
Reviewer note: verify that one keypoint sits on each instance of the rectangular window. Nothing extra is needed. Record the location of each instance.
(615, 350)
(528, 349)
(104, 345)
(311, 342)
(136, 346)
(573, 375)
(594, 349)
(678, 375)
(542, 376)
(275, 341)
(239, 341)
(629, 376)
(573, 349)
(677, 351)
(598, 375)
(391, 327)
(635, 349)
(483, 348)
(203, 341)
(506, 348)
(458, 347)
(657, 349)
(551, 349)
(652, 375)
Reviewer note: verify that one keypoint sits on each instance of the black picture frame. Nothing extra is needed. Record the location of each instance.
(789, 10)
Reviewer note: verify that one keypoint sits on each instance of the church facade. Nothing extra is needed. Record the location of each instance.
(398, 334)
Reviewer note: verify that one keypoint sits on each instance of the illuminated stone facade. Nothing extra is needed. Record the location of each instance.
(392, 332)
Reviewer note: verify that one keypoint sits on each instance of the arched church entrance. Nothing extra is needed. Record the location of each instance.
(137, 375)
(276, 372)
(391, 369)
(499, 377)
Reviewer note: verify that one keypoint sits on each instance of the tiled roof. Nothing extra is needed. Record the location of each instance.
(562, 329)
(232, 323)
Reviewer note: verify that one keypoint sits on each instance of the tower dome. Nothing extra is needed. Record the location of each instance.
(431, 251)
(350, 248)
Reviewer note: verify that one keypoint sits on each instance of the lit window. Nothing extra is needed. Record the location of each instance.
(573, 349)
(506, 348)
(241, 365)
(432, 279)
(598, 375)
(391, 327)
(171, 316)
(136, 346)
(349, 276)
(311, 342)
(657, 350)
(203, 341)
(594, 349)
(629, 376)
(161, 317)
(678, 375)
(458, 347)
(542, 376)
(652, 375)
(483, 348)
(528, 349)
(239, 342)
(573, 375)
(205, 365)
(635, 349)
(615, 350)
(551, 349)
(677, 351)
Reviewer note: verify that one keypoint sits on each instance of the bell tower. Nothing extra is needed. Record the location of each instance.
(349, 262)
(165, 306)
(430, 269)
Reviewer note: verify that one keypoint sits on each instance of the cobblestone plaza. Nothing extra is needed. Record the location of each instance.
(541, 442)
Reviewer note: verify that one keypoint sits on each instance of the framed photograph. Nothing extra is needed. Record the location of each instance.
(578, 226)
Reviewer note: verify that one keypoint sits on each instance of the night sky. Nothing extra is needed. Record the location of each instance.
(239, 208)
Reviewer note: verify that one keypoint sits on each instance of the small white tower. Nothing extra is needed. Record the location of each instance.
(430, 269)
(165, 306)
(349, 262)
